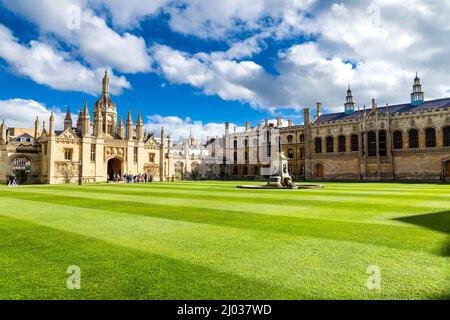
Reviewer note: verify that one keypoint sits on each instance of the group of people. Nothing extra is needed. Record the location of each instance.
(130, 178)
(12, 181)
(140, 178)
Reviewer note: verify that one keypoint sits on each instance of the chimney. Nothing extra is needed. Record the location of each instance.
(306, 116)
(290, 124)
(374, 104)
(318, 109)
(227, 128)
(279, 122)
(247, 125)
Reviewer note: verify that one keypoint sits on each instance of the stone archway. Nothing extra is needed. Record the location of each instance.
(114, 169)
(319, 171)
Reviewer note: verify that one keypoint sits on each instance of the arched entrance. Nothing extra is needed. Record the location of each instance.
(447, 170)
(114, 169)
(319, 171)
(21, 168)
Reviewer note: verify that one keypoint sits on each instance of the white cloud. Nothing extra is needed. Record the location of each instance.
(220, 18)
(21, 113)
(244, 81)
(89, 34)
(45, 65)
(127, 14)
(376, 45)
(179, 128)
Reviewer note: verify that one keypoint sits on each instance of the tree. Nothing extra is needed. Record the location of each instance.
(68, 172)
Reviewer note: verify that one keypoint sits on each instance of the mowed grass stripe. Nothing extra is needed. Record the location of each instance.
(333, 193)
(320, 207)
(287, 261)
(381, 235)
(110, 271)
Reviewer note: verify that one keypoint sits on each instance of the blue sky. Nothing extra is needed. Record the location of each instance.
(185, 61)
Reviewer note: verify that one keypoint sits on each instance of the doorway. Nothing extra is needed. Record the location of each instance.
(319, 171)
(114, 169)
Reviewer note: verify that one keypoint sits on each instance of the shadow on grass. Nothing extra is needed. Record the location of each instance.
(439, 221)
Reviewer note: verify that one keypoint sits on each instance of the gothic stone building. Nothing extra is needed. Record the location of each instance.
(87, 152)
(409, 141)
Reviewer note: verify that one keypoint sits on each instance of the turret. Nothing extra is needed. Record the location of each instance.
(279, 122)
(139, 127)
(68, 119)
(51, 128)
(86, 122)
(318, 109)
(36, 129)
(247, 125)
(98, 121)
(120, 128)
(349, 105)
(306, 116)
(79, 121)
(417, 95)
(129, 127)
(3, 132)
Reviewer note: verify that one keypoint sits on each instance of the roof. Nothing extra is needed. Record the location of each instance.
(23, 135)
(399, 108)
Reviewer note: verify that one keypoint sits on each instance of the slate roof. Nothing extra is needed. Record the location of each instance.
(400, 108)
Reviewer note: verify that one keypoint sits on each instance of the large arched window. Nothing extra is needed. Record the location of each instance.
(398, 140)
(382, 143)
(354, 143)
(245, 171)
(413, 138)
(302, 138)
(246, 143)
(21, 164)
(318, 145)
(291, 153)
(290, 138)
(372, 144)
(235, 156)
(235, 144)
(342, 144)
(330, 144)
(430, 138)
(246, 155)
(446, 136)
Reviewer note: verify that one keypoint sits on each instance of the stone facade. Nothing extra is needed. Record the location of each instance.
(402, 142)
(88, 152)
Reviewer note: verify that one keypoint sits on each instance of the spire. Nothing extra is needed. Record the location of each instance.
(129, 127)
(139, 128)
(86, 123)
(3, 132)
(349, 106)
(105, 89)
(417, 95)
(86, 109)
(120, 128)
(52, 124)
(36, 129)
(98, 121)
(68, 119)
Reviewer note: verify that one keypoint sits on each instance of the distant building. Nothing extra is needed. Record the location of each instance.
(409, 141)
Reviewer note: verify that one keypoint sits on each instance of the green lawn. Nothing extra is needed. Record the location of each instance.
(210, 240)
